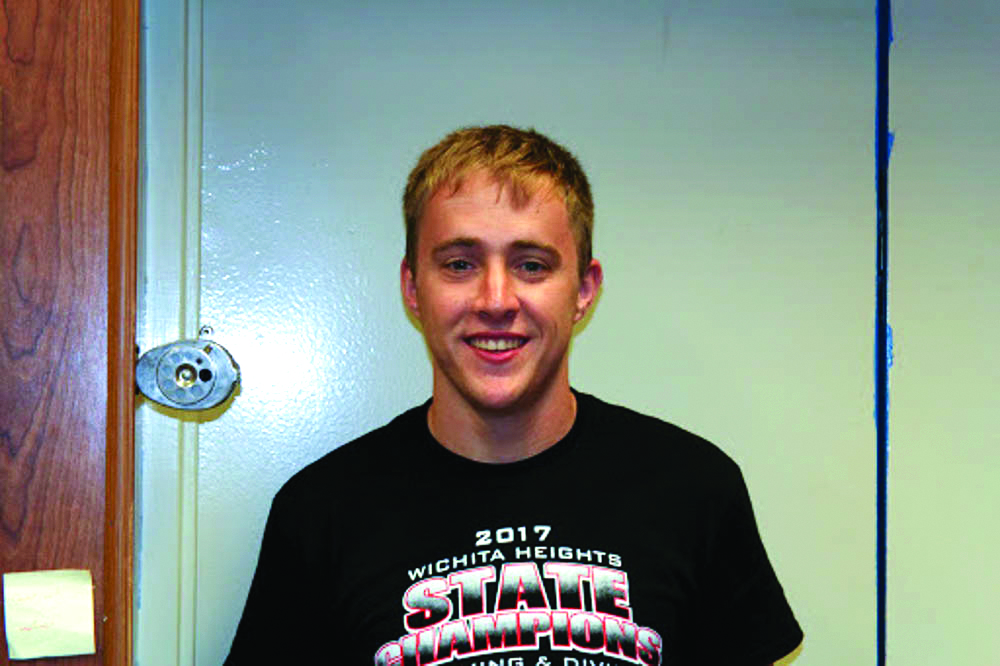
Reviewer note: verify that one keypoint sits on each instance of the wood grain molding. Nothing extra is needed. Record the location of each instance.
(32, 33)
(53, 289)
(68, 162)
(119, 530)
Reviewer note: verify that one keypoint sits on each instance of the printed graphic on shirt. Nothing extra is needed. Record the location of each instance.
(509, 599)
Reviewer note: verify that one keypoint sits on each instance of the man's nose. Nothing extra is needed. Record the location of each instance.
(497, 293)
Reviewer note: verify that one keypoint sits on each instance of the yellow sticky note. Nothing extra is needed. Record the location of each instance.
(48, 613)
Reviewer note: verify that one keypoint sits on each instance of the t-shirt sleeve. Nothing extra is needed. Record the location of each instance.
(747, 617)
(279, 610)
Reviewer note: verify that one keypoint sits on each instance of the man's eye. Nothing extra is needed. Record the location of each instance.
(533, 267)
(458, 265)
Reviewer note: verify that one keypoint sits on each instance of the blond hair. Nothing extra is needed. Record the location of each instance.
(522, 159)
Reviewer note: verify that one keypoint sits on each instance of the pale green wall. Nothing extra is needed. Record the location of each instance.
(730, 152)
(943, 535)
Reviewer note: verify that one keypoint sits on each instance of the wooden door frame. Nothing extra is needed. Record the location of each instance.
(119, 530)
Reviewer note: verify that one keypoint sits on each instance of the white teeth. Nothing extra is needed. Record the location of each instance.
(494, 344)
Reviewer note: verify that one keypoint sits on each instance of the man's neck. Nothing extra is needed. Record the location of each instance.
(503, 436)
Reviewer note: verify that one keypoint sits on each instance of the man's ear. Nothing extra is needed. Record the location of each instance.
(408, 286)
(590, 284)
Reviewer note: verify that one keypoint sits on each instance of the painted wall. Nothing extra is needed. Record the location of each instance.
(730, 153)
(945, 447)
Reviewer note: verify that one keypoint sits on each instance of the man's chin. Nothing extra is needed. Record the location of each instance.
(494, 395)
(506, 400)
(501, 403)
(495, 398)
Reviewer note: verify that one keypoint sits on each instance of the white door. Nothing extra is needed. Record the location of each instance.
(729, 146)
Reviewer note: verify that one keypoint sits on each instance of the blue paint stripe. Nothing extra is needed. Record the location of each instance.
(883, 146)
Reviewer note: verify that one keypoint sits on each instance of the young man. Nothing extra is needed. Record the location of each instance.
(510, 519)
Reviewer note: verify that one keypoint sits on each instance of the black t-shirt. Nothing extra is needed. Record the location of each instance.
(630, 541)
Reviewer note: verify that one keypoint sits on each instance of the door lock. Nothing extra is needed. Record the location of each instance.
(188, 374)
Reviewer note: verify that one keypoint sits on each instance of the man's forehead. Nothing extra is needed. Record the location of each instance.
(517, 190)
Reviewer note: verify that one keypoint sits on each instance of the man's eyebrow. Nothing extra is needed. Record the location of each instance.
(532, 245)
(518, 245)
(451, 243)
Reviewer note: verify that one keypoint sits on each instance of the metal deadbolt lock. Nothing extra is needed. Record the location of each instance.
(188, 374)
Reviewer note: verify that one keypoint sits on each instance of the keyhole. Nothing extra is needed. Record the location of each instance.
(186, 375)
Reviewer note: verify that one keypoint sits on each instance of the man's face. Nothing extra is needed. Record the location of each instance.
(497, 291)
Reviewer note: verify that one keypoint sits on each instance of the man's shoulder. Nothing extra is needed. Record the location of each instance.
(654, 439)
(357, 462)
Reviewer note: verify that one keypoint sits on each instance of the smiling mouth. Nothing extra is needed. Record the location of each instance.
(496, 344)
